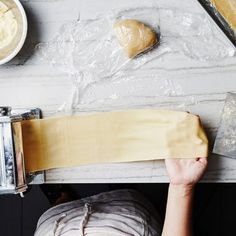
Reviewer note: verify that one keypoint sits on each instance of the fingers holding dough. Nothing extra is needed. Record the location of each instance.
(134, 36)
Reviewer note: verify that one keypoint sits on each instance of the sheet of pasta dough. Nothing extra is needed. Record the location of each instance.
(134, 135)
(227, 9)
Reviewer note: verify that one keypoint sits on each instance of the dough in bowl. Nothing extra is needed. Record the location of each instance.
(8, 26)
(134, 36)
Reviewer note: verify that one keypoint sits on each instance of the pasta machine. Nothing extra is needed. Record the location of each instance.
(13, 177)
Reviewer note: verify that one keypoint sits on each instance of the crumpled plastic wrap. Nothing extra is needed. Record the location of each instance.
(88, 51)
(193, 35)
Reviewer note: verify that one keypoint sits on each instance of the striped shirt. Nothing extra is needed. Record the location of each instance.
(116, 213)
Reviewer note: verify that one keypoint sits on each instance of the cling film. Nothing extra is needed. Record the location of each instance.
(88, 51)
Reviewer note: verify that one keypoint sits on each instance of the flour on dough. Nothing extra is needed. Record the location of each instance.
(134, 36)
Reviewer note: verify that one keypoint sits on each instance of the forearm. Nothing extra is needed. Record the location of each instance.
(178, 211)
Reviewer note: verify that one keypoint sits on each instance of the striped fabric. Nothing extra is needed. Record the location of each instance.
(116, 213)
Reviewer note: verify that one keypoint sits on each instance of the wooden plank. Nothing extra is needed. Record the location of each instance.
(221, 169)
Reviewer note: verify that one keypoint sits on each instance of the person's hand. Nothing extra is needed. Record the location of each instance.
(183, 174)
(185, 171)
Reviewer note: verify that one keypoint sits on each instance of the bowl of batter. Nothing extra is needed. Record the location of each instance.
(13, 29)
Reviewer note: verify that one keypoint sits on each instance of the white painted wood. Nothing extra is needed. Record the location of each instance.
(28, 81)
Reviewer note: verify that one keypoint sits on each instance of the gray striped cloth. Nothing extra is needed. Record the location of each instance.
(116, 213)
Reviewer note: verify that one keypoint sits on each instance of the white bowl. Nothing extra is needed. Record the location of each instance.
(11, 50)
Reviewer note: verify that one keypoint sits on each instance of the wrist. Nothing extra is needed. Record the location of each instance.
(182, 190)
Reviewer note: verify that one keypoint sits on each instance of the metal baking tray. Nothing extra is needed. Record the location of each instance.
(219, 20)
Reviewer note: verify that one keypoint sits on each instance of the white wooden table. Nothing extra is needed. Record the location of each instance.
(28, 82)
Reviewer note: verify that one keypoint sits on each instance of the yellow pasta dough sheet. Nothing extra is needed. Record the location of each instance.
(227, 9)
(125, 136)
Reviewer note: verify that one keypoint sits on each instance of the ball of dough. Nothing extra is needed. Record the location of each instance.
(134, 36)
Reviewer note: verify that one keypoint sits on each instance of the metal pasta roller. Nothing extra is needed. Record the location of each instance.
(13, 178)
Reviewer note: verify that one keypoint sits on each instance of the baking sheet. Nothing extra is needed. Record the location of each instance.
(220, 20)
